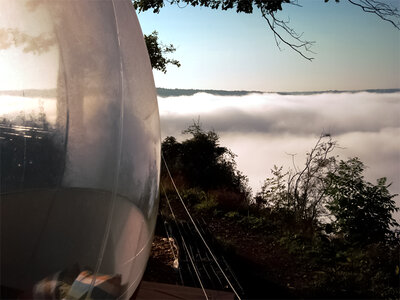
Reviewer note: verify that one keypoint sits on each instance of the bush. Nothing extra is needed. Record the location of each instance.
(193, 196)
(208, 204)
(234, 215)
(229, 200)
(252, 222)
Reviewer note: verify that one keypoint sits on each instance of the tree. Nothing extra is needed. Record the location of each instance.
(301, 191)
(273, 192)
(306, 186)
(157, 52)
(363, 211)
(281, 29)
(201, 162)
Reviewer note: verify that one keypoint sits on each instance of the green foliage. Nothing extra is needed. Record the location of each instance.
(202, 163)
(301, 191)
(193, 196)
(252, 222)
(354, 257)
(274, 193)
(363, 211)
(232, 215)
(198, 199)
(248, 221)
(367, 272)
(339, 270)
(157, 52)
(245, 6)
(207, 205)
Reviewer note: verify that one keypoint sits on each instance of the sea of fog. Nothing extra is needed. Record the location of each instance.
(267, 129)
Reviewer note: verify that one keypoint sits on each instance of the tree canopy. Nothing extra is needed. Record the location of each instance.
(362, 210)
(157, 52)
(201, 162)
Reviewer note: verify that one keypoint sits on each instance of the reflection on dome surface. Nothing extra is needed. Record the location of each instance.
(80, 149)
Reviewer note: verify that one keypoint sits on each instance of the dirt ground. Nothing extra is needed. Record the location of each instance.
(264, 268)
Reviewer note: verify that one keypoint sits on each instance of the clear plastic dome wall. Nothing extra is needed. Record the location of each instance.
(80, 149)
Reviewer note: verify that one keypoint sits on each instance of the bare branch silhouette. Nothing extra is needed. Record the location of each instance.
(294, 40)
(381, 9)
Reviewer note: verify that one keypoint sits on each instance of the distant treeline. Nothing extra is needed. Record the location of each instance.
(376, 91)
(190, 92)
(162, 92)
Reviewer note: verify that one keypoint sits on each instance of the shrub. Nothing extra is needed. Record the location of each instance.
(363, 211)
(229, 200)
(232, 215)
(208, 204)
(193, 196)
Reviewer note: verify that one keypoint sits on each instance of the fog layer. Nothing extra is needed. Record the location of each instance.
(263, 129)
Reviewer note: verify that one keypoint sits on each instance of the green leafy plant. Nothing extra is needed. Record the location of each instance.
(362, 210)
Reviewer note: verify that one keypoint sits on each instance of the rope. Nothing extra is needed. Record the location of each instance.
(195, 268)
(169, 238)
(186, 248)
(169, 204)
(197, 229)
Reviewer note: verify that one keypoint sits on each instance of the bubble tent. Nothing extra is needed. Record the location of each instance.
(80, 149)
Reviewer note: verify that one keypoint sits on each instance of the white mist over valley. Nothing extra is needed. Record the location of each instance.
(267, 129)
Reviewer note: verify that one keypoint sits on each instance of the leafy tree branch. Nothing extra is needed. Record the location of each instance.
(157, 52)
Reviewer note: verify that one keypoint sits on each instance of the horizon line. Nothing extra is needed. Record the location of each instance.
(166, 92)
(222, 91)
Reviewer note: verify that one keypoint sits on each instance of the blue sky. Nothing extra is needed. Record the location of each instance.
(226, 50)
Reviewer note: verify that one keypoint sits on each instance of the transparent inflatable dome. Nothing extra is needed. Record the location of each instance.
(80, 149)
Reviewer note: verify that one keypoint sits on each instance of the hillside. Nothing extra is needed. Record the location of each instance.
(274, 244)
